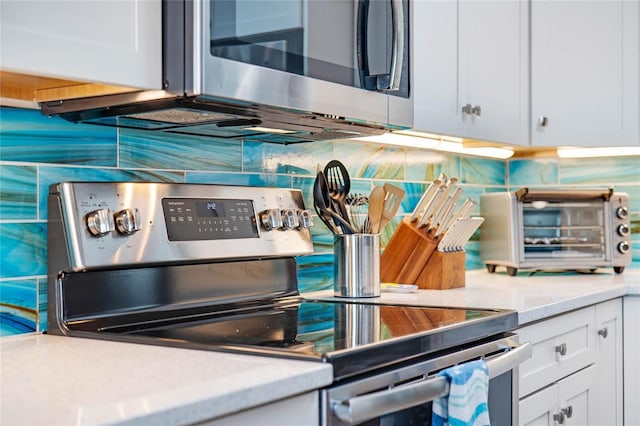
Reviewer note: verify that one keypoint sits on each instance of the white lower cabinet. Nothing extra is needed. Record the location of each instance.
(631, 311)
(566, 402)
(301, 410)
(574, 376)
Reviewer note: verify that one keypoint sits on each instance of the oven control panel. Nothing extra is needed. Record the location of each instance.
(126, 223)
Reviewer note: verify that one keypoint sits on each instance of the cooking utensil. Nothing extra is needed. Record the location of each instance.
(463, 211)
(425, 200)
(339, 185)
(323, 206)
(437, 200)
(392, 198)
(357, 206)
(443, 220)
(376, 206)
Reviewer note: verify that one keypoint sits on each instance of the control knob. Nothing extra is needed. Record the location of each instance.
(99, 222)
(304, 218)
(622, 212)
(623, 229)
(271, 219)
(127, 221)
(624, 247)
(290, 219)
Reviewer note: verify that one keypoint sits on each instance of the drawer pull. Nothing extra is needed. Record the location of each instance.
(559, 418)
(568, 411)
(561, 349)
(603, 332)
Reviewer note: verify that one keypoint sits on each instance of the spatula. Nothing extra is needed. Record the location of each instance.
(392, 198)
(376, 206)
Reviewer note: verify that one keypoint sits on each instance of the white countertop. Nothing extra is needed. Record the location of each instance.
(54, 380)
(535, 297)
(48, 380)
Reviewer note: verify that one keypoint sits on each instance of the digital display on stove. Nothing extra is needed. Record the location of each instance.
(196, 219)
(211, 208)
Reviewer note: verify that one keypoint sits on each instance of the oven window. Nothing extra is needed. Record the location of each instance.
(565, 229)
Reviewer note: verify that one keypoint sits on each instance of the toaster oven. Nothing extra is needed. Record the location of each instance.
(555, 229)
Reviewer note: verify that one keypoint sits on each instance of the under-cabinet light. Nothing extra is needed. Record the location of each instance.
(268, 130)
(568, 152)
(437, 144)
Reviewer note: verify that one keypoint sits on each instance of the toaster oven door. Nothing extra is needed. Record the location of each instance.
(563, 230)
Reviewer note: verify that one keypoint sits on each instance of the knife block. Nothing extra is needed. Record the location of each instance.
(411, 257)
(443, 270)
(406, 253)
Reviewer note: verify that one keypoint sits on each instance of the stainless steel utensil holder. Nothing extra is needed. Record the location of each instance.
(357, 265)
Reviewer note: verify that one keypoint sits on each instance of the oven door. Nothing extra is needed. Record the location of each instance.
(305, 55)
(404, 396)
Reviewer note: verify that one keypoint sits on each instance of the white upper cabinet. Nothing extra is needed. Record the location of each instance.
(584, 73)
(470, 63)
(110, 42)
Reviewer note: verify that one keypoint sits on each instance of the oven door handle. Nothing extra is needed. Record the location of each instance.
(362, 408)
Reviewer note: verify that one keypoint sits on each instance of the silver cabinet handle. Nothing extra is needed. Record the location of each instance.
(476, 110)
(561, 349)
(559, 418)
(603, 332)
(542, 121)
(568, 411)
(362, 408)
(467, 109)
(395, 74)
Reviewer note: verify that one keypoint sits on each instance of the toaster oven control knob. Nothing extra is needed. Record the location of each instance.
(290, 219)
(271, 219)
(304, 218)
(99, 222)
(622, 212)
(624, 247)
(623, 229)
(128, 221)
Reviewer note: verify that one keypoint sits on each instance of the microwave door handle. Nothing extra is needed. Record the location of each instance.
(362, 408)
(398, 22)
(361, 43)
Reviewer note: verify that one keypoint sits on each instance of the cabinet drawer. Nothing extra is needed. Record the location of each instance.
(561, 346)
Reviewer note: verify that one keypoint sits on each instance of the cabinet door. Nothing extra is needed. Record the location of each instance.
(435, 67)
(111, 42)
(538, 409)
(631, 320)
(576, 398)
(561, 346)
(584, 73)
(494, 69)
(608, 392)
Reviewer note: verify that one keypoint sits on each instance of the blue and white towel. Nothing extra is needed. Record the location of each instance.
(466, 403)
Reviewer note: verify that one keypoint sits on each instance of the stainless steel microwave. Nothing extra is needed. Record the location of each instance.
(555, 229)
(313, 69)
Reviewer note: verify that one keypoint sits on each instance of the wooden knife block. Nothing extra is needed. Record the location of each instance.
(410, 257)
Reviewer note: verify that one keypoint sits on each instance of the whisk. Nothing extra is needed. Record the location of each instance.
(357, 207)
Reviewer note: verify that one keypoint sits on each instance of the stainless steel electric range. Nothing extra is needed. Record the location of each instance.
(213, 267)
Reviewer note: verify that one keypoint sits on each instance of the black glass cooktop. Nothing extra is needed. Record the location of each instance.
(353, 336)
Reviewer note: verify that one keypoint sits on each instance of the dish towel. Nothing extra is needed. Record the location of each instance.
(466, 403)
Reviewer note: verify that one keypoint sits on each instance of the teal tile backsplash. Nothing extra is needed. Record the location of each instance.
(36, 151)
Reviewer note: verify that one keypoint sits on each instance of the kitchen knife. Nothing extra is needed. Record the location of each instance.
(433, 206)
(462, 211)
(471, 225)
(444, 220)
(425, 200)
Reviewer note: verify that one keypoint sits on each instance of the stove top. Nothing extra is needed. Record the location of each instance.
(353, 336)
(213, 267)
